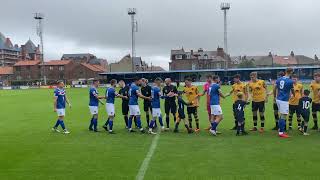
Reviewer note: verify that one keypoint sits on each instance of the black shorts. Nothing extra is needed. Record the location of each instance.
(181, 115)
(125, 108)
(170, 106)
(192, 110)
(258, 106)
(241, 119)
(147, 106)
(275, 107)
(294, 109)
(305, 116)
(315, 107)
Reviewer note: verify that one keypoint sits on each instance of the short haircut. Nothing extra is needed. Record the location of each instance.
(281, 73)
(306, 92)
(188, 79)
(238, 76)
(254, 73)
(113, 81)
(294, 76)
(240, 95)
(317, 74)
(209, 76)
(136, 79)
(289, 70)
(215, 77)
(95, 80)
(158, 79)
(59, 82)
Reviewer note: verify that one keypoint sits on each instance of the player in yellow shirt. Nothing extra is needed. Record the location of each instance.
(237, 87)
(258, 93)
(192, 95)
(315, 88)
(294, 101)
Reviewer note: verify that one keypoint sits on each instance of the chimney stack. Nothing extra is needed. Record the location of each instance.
(292, 54)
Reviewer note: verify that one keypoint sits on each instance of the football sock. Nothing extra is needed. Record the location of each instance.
(214, 125)
(238, 128)
(62, 124)
(152, 123)
(126, 120)
(138, 122)
(255, 121)
(187, 127)
(91, 123)
(160, 121)
(242, 127)
(135, 121)
(299, 121)
(107, 122)
(57, 123)
(174, 118)
(315, 119)
(305, 128)
(110, 121)
(282, 124)
(176, 126)
(95, 123)
(262, 121)
(190, 120)
(130, 122)
(302, 124)
(167, 120)
(148, 118)
(290, 118)
(276, 117)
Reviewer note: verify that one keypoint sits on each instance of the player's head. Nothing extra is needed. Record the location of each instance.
(60, 84)
(215, 78)
(122, 83)
(240, 95)
(236, 78)
(294, 77)
(253, 76)
(95, 82)
(188, 81)
(280, 74)
(113, 82)
(158, 81)
(209, 78)
(316, 77)
(167, 81)
(289, 71)
(136, 81)
(144, 82)
(306, 92)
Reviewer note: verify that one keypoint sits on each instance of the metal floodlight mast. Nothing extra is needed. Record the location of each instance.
(39, 17)
(225, 7)
(134, 28)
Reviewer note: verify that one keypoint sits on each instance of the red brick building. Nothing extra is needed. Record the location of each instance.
(6, 75)
(59, 70)
(87, 71)
(26, 70)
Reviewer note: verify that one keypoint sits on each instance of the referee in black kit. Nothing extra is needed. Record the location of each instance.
(170, 102)
(146, 91)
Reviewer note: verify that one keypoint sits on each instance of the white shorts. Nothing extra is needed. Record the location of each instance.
(216, 110)
(283, 106)
(61, 112)
(134, 110)
(93, 110)
(110, 109)
(156, 112)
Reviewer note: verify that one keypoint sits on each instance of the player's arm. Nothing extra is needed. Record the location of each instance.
(246, 94)
(249, 90)
(228, 94)
(275, 92)
(55, 98)
(142, 96)
(221, 94)
(120, 96)
(68, 101)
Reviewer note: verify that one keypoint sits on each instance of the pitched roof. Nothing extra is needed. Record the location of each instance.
(30, 47)
(6, 70)
(75, 56)
(57, 62)
(94, 67)
(27, 63)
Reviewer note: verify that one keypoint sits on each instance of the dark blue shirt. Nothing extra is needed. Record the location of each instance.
(61, 98)
(304, 105)
(155, 95)
(93, 92)
(110, 95)
(238, 109)
(214, 94)
(284, 85)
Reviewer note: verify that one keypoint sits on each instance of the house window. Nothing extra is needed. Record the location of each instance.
(205, 56)
(18, 68)
(51, 68)
(61, 68)
(188, 56)
(178, 56)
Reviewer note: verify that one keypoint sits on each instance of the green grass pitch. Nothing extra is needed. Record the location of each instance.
(29, 150)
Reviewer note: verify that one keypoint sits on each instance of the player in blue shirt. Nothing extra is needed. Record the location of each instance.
(156, 95)
(94, 100)
(60, 100)
(111, 94)
(134, 94)
(304, 110)
(216, 111)
(284, 89)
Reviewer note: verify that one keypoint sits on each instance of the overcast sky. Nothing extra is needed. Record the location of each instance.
(102, 27)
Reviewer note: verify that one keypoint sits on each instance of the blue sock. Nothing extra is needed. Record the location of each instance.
(91, 123)
(214, 125)
(282, 125)
(110, 124)
(160, 121)
(139, 122)
(151, 123)
(95, 123)
(62, 124)
(130, 122)
(57, 123)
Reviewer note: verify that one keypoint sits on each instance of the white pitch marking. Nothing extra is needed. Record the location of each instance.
(145, 164)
